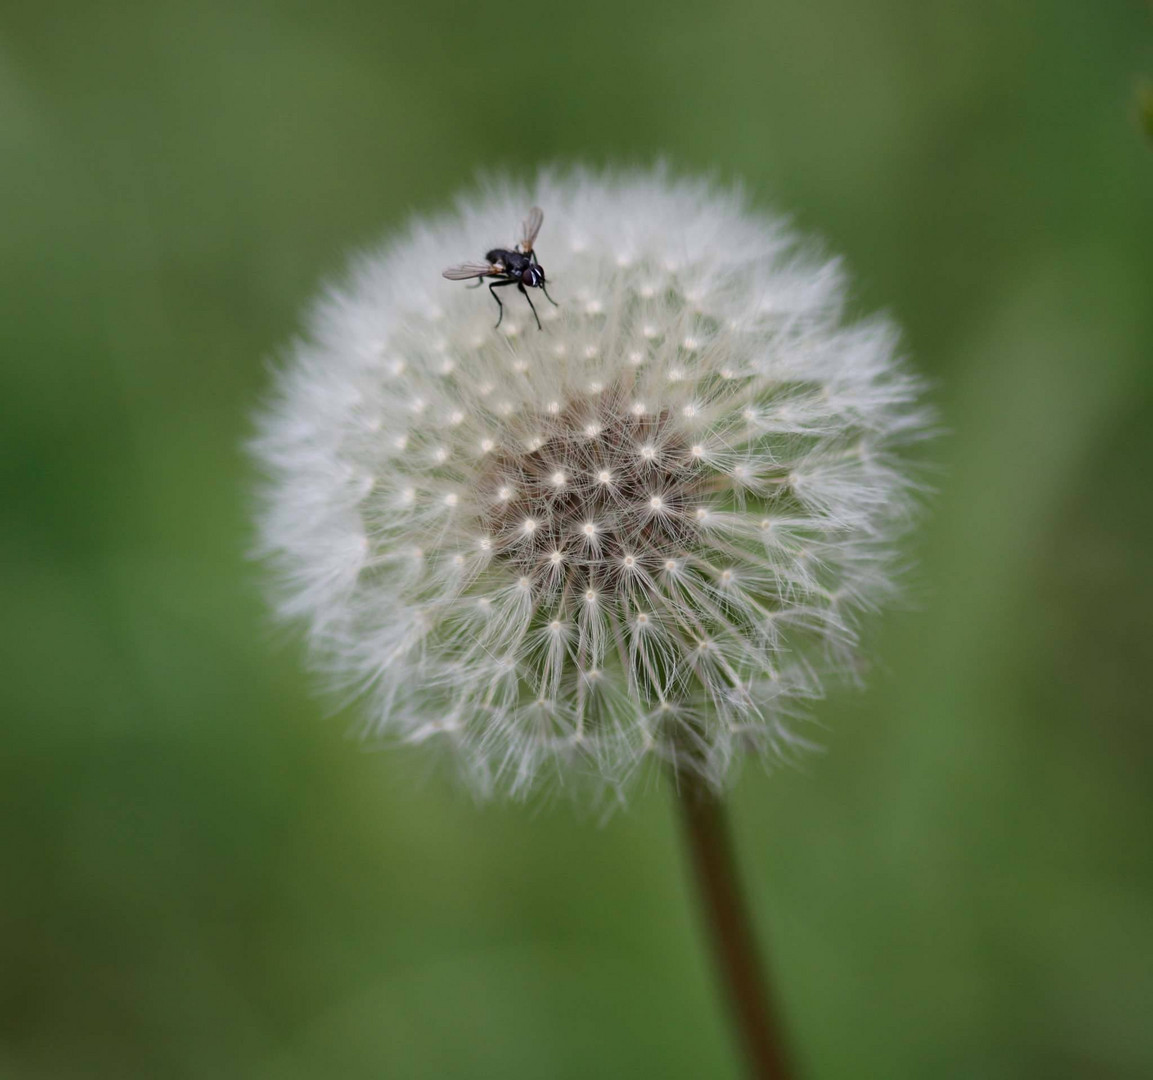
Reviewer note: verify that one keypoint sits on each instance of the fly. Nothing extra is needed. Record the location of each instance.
(517, 266)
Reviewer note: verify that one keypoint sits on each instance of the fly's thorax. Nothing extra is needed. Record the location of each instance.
(513, 261)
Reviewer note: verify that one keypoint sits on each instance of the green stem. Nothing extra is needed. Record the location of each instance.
(730, 928)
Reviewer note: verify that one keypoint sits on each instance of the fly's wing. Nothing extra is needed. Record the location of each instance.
(470, 270)
(530, 228)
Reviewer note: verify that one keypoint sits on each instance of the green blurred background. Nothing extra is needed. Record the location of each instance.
(201, 875)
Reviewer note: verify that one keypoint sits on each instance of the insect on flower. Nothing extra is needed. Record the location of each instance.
(649, 536)
(517, 266)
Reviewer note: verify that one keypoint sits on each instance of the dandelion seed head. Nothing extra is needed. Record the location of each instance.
(568, 552)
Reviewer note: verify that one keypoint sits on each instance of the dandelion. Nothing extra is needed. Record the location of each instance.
(643, 533)
(697, 436)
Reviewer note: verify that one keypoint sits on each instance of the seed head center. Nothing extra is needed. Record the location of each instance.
(582, 508)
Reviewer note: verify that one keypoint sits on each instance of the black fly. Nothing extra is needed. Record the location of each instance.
(518, 267)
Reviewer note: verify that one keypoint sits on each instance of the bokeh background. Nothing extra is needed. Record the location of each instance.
(202, 876)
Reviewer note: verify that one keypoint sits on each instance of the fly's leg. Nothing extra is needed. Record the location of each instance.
(547, 297)
(524, 293)
(493, 286)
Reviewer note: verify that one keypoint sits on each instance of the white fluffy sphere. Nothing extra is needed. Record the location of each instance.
(644, 531)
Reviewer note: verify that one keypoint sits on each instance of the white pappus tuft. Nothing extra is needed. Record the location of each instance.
(645, 531)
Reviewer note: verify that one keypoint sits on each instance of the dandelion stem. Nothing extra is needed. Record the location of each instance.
(730, 927)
